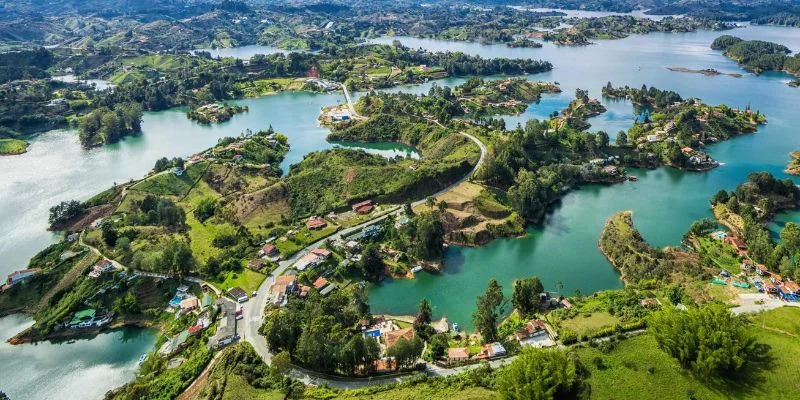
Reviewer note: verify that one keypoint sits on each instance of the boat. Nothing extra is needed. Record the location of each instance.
(455, 326)
(633, 178)
(142, 358)
(416, 269)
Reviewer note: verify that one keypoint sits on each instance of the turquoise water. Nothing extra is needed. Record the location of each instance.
(243, 52)
(85, 369)
(563, 249)
(664, 201)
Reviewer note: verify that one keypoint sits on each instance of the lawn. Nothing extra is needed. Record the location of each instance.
(721, 254)
(247, 279)
(167, 183)
(203, 235)
(585, 323)
(638, 369)
(12, 146)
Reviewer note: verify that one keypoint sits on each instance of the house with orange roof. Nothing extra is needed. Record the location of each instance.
(391, 337)
(316, 223)
(457, 354)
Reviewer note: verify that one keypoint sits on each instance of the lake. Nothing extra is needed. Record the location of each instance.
(242, 52)
(563, 249)
(85, 369)
(665, 201)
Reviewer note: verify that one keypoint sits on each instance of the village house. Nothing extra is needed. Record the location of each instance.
(364, 207)
(491, 350)
(312, 259)
(190, 303)
(255, 264)
(238, 294)
(315, 223)
(611, 170)
(323, 286)
(100, 268)
(19, 276)
(650, 302)
(268, 250)
(535, 334)
(391, 337)
(457, 354)
(283, 286)
(736, 243)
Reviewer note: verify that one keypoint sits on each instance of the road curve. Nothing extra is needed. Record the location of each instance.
(253, 310)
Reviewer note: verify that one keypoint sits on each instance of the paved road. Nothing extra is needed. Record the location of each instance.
(253, 310)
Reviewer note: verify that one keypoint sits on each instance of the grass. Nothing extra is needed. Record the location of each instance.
(237, 388)
(169, 184)
(625, 372)
(721, 254)
(421, 391)
(202, 236)
(247, 279)
(586, 323)
(12, 146)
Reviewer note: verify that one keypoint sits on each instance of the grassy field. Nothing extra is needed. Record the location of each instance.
(586, 323)
(248, 280)
(721, 254)
(237, 388)
(167, 183)
(12, 146)
(202, 236)
(636, 368)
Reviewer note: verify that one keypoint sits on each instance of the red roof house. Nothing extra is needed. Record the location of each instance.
(364, 207)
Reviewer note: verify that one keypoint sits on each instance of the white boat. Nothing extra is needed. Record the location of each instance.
(416, 269)
(142, 358)
(455, 327)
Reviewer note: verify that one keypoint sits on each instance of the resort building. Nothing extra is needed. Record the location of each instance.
(19, 276)
(391, 337)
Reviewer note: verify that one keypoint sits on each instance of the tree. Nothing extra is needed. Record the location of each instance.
(371, 263)
(526, 295)
(430, 201)
(708, 340)
(205, 209)
(109, 233)
(428, 237)
(622, 139)
(281, 363)
(126, 305)
(423, 319)
(539, 374)
(489, 309)
(439, 345)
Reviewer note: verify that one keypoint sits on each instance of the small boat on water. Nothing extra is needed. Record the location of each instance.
(455, 327)
(633, 178)
(142, 358)
(416, 269)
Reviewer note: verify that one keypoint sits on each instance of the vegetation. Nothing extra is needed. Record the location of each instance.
(540, 375)
(758, 56)
(12, 146)
(213, 113)
(104, 125)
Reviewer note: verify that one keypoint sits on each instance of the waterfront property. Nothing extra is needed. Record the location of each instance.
(536, 334)
(89, 318)
(100, 268)
(19, 276)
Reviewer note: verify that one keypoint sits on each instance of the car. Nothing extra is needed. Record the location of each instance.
(254, 293)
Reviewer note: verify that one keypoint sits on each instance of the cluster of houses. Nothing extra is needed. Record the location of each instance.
(89, 318)
(764, 280)
(324, 84)
(185, 302)
(100, 268)
(226, 331)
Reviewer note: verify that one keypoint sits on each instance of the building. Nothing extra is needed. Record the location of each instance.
(457, 354)
(268, 250)
(736, 242)
(491, 350)
(316, 223)
(283, 286)
(364, 207)
(226, 331)
(238, 294)
(100, 268)
(89, 319)
(312, 259)
(190, 303)
(320, 283)
(19, 276)
(610, 169)
(319, 252)
(391, 337)
(650, 302)
(535, 334)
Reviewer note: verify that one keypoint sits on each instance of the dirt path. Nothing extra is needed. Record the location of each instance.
(193, 391)
(69, 278)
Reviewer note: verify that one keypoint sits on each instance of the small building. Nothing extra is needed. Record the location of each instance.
(391, 337)
(761, 270)
(320, 252)
(100, 268)
(611, 170)
(268, 250)
(177, 171)
(238, 294)
(190, 303)
(255, 264)
(320, 283)
(566, 304)
(491, 350)
(457, 354)
(650, 302)
(19, 276)
(736, 242)
(206, 301)
(316, 223)
(535, 334)
(363, 207)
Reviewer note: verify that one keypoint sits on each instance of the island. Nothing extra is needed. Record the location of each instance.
(706, 71)
(215, 113)
(758, 56)
(10, 147)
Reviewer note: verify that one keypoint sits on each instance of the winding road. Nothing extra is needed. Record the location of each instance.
(253, 310)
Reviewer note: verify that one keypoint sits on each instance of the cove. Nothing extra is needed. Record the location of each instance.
(85, 369)
(56, 168)
(665, 201)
